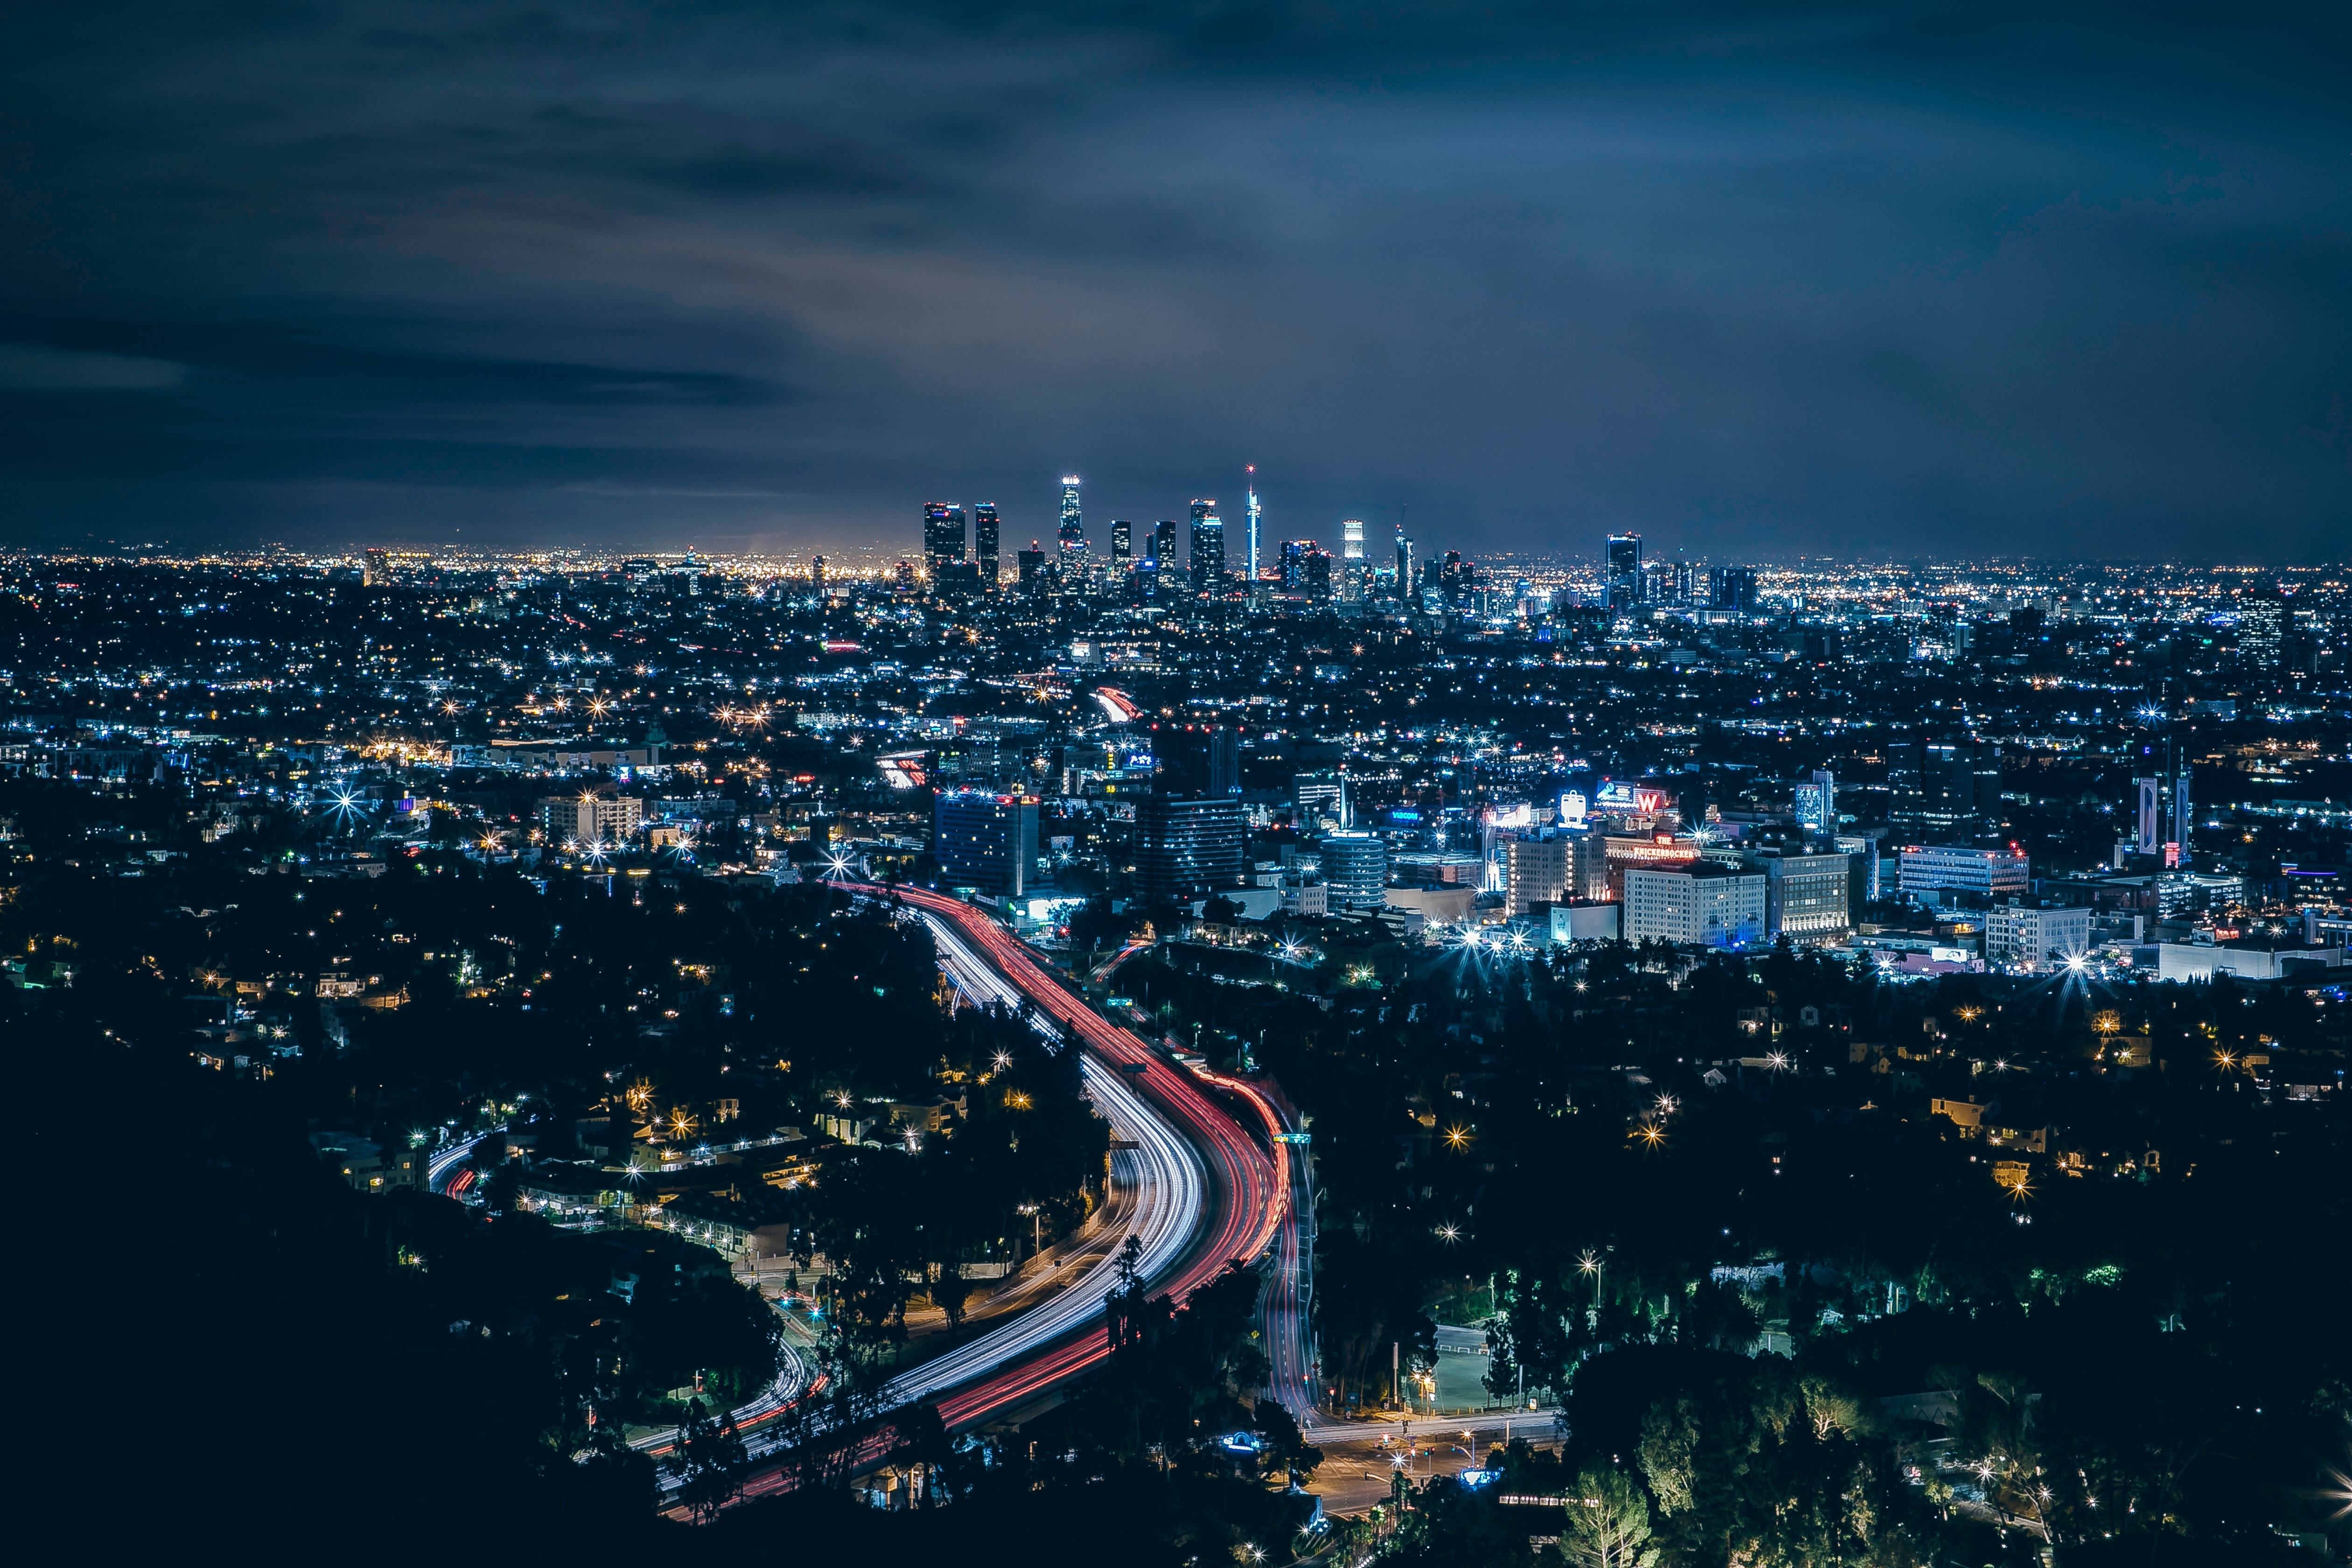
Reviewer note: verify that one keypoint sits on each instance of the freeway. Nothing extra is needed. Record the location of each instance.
(1239, 1206)
(1290, 1342)
(1217, 1195)
(1169, 1178)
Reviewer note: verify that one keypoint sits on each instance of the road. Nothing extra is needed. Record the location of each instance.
(1288, 1300)
(1208, 1193)
(1236, 1215)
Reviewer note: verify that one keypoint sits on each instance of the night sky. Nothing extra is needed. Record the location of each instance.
(1757, 280)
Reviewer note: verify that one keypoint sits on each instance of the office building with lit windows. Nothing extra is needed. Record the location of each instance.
(1208, 562)
(984, 542)
(986, 842)
(1699, 905)
(942, 537)
(1355, 869)
(1622, 577)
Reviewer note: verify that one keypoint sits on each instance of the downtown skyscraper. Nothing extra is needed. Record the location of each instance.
(984, 542)
(1208, 548)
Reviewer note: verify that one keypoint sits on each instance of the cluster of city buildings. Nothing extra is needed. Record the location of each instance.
(2001, 764)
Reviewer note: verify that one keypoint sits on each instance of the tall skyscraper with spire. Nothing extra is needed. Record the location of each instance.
(1074, 528)
(1249, 562)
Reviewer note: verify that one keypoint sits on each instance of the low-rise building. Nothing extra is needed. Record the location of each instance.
(1933, 873)
(2032, 940)
(1587, 922)
(369, 1167)
(2247, 958)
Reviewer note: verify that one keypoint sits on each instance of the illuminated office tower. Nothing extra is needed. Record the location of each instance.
(1731, 588)
(986, 841)
(1352, 540)
(1208, 548)
(1249, 564)
(1164, 544)
(984, 541)
(1122, 542)
(1817, 802)
(1074, 528)
(943, 536)
(1404, 564)
(2262, 623)
(1624, 571)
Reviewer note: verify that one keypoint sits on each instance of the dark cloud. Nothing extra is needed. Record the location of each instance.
(1760, 280)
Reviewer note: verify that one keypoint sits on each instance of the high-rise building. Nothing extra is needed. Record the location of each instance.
(1942, 784)
(1196, 760)
(2261, 628)
(1865, 882)
(1319, 795)
(984, 841)
(1250, 512)
(1589, 875)
(1405, 586)
(1208, 548)
(943, 536)
(1355, 869)
(1536, 871)
(1317, 574)
(816, 570)
(1623, 575)
(1805, 897)
(1166, 549)
(376, 569)
(984, 542)
(1032, 564)
(1122, 542)
(1731, 588)
(1699, 905)
(1074, 528)
(1352, 540)
(1185, 847)
(1817, 802)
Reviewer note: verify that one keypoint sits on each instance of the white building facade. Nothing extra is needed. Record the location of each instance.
(1696, 906)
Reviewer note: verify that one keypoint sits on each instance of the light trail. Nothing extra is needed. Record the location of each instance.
(1225, 1190)
(1247, 1185)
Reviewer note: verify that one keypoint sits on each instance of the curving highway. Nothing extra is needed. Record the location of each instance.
(1289, 1340)
(1240, 1197)
(1212, 1192)
(1170, 1180)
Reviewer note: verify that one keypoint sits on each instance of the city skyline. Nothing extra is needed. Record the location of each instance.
(1855, 283)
